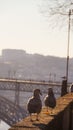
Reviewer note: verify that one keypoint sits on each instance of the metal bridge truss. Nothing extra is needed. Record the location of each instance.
(9, 112)
(26, 86)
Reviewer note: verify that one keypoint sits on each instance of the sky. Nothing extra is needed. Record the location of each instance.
(22, 26)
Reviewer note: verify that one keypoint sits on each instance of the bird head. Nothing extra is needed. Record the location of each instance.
(50, 91)
(37, 92)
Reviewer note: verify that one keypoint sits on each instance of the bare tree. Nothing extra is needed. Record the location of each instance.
(57, 11)
(60, 12)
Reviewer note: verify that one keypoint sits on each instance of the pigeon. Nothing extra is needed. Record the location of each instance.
(34, 104)
(50, 100)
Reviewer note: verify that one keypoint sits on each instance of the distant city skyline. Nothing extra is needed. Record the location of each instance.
(22, 26)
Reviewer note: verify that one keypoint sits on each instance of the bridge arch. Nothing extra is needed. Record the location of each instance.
(9, 112)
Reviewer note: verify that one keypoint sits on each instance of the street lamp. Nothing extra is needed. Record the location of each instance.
(67, 65)
(65, 81)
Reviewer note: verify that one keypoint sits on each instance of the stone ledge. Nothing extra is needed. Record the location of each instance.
(47, 121)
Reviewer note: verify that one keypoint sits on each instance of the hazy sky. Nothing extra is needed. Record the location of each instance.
(22, 26)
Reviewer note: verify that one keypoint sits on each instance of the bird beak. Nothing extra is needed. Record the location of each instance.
(40, 93)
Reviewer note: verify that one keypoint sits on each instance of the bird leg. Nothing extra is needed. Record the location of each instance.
(47, 109)
(51, 111)
(37, 117)
(31, 117)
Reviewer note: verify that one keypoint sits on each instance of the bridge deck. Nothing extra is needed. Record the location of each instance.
(52, 122)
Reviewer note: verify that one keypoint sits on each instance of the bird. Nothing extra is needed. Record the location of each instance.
(50, 100)
(34, 104)
(71, 88)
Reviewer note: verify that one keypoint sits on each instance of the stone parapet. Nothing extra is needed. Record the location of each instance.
(61, 119)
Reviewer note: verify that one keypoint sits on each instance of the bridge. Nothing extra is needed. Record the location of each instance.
(11, 111)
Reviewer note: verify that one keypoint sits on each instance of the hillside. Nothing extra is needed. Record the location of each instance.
(19, 64)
